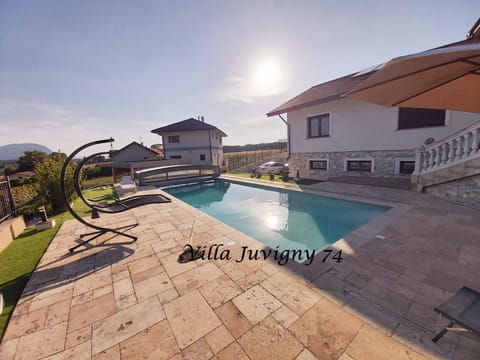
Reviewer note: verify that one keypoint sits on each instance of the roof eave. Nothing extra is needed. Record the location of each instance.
(304, 105)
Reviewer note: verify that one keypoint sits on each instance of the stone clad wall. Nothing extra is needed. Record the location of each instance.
(465, 191)
(384, 163)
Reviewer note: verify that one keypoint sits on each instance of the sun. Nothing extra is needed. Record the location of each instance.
(267, 75)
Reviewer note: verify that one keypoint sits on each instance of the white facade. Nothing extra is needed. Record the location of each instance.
(364, 140)
(196, 147)
(361, 126)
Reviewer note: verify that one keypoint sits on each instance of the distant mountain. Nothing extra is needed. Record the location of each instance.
(14, 151)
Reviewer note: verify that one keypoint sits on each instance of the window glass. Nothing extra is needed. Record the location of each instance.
(318, 165)
(362, 165)
(407, 167)
(318, 126)
(173, 139)
(410, 118)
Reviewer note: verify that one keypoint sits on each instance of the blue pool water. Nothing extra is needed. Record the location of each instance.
(276, 217)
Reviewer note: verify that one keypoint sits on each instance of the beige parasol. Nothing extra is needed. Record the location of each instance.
(444, 78)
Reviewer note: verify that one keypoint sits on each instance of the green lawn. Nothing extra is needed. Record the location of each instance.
(104, 180)
(277, 178)
(20, 258)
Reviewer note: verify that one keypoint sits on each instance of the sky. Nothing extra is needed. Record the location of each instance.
(76, 71)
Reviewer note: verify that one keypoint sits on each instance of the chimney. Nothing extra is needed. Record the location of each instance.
(202, 119)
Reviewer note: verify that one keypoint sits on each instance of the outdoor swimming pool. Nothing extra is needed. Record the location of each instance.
(276, 217)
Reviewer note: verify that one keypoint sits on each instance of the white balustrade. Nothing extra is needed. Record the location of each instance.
(462, 145)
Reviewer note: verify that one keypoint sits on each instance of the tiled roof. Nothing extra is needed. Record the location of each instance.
(133, 143)
(187, 125)
(328, 91)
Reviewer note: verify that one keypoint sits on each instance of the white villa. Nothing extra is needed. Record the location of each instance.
(192, 141)
(331, 135)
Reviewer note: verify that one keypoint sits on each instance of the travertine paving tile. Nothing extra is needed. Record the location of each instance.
(285, 316)
(42, 343)
(93, 281)
(125, 324)
(190, 318)
(8, 349)
(168, 296)
(252, 279)
(112, 353)
(199, 350)
(91, 311)
(296, 296)
(52, 296)
(220, 290)
(233, 319)
(196, 277)
(79, 352)
(26, 323)
(78, 336)
(155, 342)
(173, 267)
(152, 286)
(256, 304)
(307, 355)
(269, 340)
(137, 277)
(326, 329)
(58, 313)
(143, 264)
(232, 352)
(373, 345)
(218, 339)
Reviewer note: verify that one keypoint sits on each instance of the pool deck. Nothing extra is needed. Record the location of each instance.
(122, 300)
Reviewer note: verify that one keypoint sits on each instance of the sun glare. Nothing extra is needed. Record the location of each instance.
(267, 75)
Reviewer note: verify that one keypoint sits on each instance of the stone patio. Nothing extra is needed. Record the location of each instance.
(122, 300)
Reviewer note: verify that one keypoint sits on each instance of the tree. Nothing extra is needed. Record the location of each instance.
(27, 161)
(48, 180)
(9, 170)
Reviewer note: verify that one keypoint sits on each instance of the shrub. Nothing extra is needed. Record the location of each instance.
(48, 179)
(23, 194)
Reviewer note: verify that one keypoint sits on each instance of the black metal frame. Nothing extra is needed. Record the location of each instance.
(99, 229)
(7, 204)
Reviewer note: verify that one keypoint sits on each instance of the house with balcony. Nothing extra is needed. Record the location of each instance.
(332, 136)
(192, 141)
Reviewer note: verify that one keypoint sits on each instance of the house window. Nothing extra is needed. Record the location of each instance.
(173, 139)
(406, 167)
(410, 118)
(175, 157)
(202, 157)
(359, 165)
(318, 164)
(318, 126)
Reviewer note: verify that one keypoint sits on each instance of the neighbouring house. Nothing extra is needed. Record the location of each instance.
(134, 156)
(193, 141)
(331, 135)
(22, 175)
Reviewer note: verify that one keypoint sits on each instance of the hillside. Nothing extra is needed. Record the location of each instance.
(14, 151)
(252, 147)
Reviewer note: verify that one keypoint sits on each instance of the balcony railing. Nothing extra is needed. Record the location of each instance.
(461, 146)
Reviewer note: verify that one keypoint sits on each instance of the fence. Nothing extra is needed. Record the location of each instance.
(7, 205)
(240, 159)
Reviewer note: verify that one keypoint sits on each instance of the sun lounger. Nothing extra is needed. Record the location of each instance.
(127, 185)
(461, 309)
